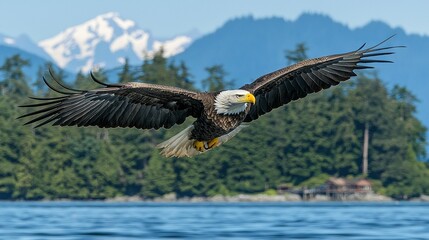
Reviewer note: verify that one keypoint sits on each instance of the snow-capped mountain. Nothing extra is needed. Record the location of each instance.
(105, 41)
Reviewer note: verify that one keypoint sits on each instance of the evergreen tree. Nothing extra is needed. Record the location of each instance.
(126, 75)
(405, 111)
(216, 79)
(184, 77)
(298, 54)
(159, 177)
(14, 82)
(155, 70)
(189, 177)
(39, 85)
(83, 82)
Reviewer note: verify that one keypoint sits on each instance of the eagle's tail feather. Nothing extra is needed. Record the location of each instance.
(180, 145)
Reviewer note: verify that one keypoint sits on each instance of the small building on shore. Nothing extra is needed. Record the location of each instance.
(341, 188)
(333, 189)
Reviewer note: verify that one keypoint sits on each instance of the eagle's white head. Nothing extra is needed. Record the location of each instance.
(232, 102)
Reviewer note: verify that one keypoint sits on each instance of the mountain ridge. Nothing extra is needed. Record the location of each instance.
(36, 62)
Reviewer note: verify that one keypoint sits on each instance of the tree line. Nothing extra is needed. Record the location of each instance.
(301, 144)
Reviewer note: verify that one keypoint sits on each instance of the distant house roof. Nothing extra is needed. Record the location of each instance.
(346, 182)
(362, 183)
(337, 181)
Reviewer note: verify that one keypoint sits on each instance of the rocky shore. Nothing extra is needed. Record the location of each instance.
(251, 198)
(422, 198)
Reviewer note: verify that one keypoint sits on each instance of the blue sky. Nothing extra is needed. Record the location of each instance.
(164, 18)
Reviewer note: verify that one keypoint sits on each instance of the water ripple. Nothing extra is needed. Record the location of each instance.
(98, 220)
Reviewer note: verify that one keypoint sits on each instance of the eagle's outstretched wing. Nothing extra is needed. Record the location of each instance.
(296, 81)
(131, 104)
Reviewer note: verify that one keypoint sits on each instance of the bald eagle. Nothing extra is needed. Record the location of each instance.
(219, 115)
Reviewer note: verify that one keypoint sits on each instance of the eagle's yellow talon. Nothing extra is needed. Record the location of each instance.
(213, 143)
(199, 146)
(203, 146)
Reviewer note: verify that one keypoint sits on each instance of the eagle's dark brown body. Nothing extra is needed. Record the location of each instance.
(211, 125)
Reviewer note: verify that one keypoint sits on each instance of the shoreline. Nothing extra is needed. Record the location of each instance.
(251, 198)
(240, 198)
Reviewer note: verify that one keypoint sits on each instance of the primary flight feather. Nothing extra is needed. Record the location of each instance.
(219, 115)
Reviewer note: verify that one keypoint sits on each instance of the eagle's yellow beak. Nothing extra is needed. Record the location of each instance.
(248, 98)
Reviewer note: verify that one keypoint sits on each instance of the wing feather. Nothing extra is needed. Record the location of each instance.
(296, 81)
(131, 104)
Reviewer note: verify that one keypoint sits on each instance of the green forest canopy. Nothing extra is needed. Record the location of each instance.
(304, 141)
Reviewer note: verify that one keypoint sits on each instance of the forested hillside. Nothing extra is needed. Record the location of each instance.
(299, 144)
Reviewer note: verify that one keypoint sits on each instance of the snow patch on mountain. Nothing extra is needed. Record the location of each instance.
(9, 41)
(124, 24)
(172, 47)
(138, 40)
(104, 40)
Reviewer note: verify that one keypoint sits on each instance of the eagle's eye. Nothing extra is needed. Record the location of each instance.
(239, 95)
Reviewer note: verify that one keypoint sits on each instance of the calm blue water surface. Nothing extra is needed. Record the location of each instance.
(99, 220)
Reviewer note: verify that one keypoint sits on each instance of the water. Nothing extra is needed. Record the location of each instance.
(98, 220)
